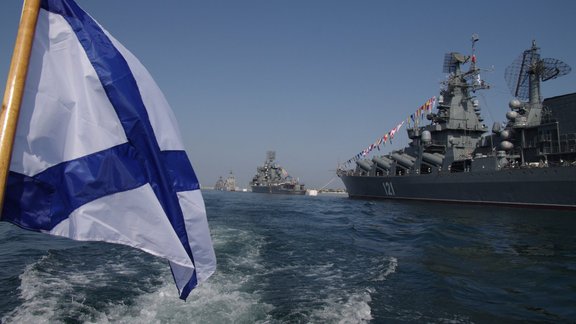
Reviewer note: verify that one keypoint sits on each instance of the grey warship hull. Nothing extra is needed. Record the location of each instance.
(551, 187)
(278, 189)
(529, 160)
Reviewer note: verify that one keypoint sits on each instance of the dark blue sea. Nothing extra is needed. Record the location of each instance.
(302, 259)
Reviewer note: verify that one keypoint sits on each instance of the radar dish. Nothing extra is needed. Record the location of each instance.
(451, 61)
(518, 74)
(553, 68)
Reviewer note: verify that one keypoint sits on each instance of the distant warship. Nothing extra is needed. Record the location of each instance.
(528, 161)
(228, 184)
(272, 178)
(219, 184)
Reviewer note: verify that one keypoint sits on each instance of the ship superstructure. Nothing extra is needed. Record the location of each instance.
(272, 178)
(528, 160)
(228, 184)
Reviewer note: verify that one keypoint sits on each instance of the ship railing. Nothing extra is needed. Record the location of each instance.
(349, 172)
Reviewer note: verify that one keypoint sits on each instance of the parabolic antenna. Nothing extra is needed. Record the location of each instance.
(553, 68)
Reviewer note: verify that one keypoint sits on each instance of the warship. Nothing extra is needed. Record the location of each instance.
(272, 178)
(220, 184)
(527, 161)
(228, 184)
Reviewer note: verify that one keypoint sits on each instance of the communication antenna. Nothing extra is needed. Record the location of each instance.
(271, 156)
(525, 73)
(474, 39)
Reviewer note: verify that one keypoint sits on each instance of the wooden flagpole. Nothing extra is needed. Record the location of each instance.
(15, 88)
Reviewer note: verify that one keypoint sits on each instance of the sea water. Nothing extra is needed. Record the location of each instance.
(302, 259)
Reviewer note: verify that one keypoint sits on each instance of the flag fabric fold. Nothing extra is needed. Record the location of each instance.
(97, 153)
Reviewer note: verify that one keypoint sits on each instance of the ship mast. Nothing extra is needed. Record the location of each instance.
(536, 67)
(524, 76)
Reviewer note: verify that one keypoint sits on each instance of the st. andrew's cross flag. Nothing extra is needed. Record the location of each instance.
(98, 155)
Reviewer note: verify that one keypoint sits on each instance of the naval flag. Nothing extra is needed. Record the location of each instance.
(97, 153)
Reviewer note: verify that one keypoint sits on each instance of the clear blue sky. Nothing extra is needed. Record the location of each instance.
(315, 80)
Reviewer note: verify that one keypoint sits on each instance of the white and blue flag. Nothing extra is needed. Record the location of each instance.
(98, 155)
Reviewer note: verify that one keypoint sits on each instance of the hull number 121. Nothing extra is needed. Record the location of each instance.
(388, 189)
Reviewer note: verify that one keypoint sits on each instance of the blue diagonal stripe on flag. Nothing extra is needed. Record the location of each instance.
(61, 192)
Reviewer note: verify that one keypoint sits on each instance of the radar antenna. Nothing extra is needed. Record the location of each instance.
(452, 62)
(525, 73)
(271, 156)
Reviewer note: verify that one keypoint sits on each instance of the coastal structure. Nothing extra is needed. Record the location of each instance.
(530, 160)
